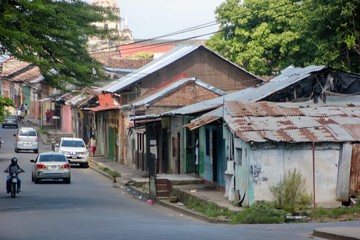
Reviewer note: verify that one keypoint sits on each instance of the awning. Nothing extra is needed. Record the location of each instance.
(201, 121)
(50, 98)
(45, 99)
(140, 121)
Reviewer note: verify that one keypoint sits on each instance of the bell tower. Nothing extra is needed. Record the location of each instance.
(124, 35)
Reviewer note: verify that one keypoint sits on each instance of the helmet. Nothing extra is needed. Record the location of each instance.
(14, 161)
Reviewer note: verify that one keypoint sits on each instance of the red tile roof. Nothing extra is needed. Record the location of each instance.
(114, 61)
(133, 49)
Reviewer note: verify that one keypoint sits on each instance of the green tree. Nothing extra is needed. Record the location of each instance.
(257, 35)
(267, 36)
(5, 102)
(333, 27)
(53, 35)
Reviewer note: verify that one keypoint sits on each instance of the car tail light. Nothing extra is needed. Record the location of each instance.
(40, 166)
(37, 139)
(17, 138)
(66, 166)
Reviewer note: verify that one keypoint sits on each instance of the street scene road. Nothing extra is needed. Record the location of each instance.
(90, 208)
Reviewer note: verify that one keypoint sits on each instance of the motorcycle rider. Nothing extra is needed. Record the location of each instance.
(13, 167)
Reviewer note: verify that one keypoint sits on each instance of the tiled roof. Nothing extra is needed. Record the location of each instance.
(113, 60)
(133, 49)
(13, 66)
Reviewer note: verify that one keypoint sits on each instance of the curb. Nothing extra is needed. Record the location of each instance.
(144, 196)
(190, 213)
(330, 234)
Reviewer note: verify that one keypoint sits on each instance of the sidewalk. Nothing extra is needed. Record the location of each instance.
(129, 175)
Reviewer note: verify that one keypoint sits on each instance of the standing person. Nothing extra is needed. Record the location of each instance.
(197, 156)
(92, 145)
(19, 114)
(22, 116)
(48, 115)
(26, 109)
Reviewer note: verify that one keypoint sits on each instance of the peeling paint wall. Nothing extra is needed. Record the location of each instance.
(260, 166)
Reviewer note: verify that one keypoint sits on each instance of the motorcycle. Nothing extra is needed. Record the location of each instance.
(13, 183)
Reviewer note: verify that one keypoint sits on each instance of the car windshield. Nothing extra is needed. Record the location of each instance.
(11, 117)
(30, 133)
(52, 158)
(72, 143)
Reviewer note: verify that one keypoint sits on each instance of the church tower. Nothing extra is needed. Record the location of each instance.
(124, 35)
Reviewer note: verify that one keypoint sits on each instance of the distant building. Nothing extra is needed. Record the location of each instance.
(124, 34)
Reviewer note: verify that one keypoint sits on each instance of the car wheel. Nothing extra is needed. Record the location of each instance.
(32, 178)
(36, 151)
(67, 180)
(16, 150)
(84, 165)
(36, 181)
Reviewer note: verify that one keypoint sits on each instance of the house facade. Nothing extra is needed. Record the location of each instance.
(293, 85)
(161, 138)
(180, 62)
(318, 141)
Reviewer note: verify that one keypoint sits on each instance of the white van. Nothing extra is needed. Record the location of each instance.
(74, 149)
(26, 139)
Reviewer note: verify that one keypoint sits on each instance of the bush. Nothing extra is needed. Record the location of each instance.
(289, 193)
(259, 213)
(207, 208)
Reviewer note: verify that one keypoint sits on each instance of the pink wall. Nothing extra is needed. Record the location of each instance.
(66, 119)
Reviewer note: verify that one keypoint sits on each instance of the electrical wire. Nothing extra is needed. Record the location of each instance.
(201, 26)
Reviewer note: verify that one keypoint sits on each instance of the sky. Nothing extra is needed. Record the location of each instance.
(153, 18)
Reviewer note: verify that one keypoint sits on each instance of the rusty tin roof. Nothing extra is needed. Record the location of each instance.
(265, 121)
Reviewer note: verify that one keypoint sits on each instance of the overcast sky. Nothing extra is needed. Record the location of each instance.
(153, 18)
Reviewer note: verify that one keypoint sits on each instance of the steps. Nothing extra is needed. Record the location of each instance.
(163, 188)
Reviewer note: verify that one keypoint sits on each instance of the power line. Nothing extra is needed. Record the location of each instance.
(201, 26)
(191, 29)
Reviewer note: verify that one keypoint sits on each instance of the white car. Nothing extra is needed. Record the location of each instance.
(50, 165)
(74, 149)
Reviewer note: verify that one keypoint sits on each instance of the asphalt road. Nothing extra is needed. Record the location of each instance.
(90, 208)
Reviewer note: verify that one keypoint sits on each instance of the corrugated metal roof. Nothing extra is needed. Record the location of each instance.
(205, 120)
(307, 124)
(157, 64)
(4, 58)
(288, 76)
(149, 68)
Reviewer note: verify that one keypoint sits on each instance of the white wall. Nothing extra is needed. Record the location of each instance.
(267, 164)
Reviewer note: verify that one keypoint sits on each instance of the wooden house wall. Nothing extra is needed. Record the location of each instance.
(205, 66)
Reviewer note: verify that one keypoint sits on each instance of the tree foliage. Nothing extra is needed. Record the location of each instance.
(5, 102)
(266, 36)
(53, 35)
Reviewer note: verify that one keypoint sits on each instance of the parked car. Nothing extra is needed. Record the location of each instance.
(10, 121)
(50, 165)
(74, 149)
(26, 139)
